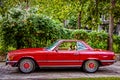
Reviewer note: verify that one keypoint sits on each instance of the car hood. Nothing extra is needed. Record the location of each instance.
(27, 50)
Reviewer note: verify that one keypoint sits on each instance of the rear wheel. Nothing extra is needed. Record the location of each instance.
(91, 66)
(26, 65)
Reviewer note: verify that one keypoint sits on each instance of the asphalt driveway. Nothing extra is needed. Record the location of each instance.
(8, 72)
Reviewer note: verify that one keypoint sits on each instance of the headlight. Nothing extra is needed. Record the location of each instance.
(10, 57)
(114, 57)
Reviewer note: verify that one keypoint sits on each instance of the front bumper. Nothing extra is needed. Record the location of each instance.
(12, 63)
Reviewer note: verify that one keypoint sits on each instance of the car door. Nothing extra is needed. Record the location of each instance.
(64, 57)
(83, 51)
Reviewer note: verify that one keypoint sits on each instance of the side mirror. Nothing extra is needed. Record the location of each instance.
(56, 50)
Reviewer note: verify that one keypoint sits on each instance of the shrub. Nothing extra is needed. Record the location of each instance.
(116, 43)
(21, 29)
(98, 39)
(80, 34)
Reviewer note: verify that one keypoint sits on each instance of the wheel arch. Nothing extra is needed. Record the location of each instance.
(27, 57)
(86, 65)
(92, 59)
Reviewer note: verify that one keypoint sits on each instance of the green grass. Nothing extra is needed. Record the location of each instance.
(101, 78)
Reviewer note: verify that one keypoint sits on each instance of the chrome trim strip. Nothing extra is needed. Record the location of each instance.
(72, 61)
(62, 66)
(60, 61)
(12, 61)
(108, 60)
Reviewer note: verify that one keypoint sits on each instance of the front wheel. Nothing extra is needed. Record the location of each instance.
(91, 66)
(26, 65)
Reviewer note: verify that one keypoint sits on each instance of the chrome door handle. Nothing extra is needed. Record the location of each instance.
(76, 54)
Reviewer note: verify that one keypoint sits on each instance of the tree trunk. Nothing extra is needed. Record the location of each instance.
(79, 20)
(79, 15)
(111, 26)
(96, 11)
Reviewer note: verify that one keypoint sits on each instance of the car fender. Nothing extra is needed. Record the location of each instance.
(29, 57)
(91, 59)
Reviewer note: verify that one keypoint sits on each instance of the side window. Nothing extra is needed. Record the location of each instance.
(81, 46)
(67, 46)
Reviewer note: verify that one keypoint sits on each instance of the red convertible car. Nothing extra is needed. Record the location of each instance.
(62, 53)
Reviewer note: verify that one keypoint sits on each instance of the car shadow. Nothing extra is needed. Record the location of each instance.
(59, 69)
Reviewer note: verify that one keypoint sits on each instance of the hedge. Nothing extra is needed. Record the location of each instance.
(97, 39)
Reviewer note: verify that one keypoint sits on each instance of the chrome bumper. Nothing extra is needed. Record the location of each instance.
(12, 63)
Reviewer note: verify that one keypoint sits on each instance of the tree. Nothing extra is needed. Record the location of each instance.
(6, 5)
(87, 12)
(63, 9)
(111, 25)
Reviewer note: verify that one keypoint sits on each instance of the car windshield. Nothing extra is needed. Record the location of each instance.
(52, 46)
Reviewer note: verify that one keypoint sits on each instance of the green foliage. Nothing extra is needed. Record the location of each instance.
(116, 43)
(72, 23)
(5, 5)
(80, 34)
(21, 29)
(96, 39)
(65, 33)
(91, 10)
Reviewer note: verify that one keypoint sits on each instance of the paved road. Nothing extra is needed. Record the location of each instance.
(7, 72)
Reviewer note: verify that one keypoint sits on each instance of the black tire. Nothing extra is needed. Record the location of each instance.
(91, 66)
(26, 66)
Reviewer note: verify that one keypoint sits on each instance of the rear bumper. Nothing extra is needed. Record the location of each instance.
(113, 61)
(12, 63)
(107, 62)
